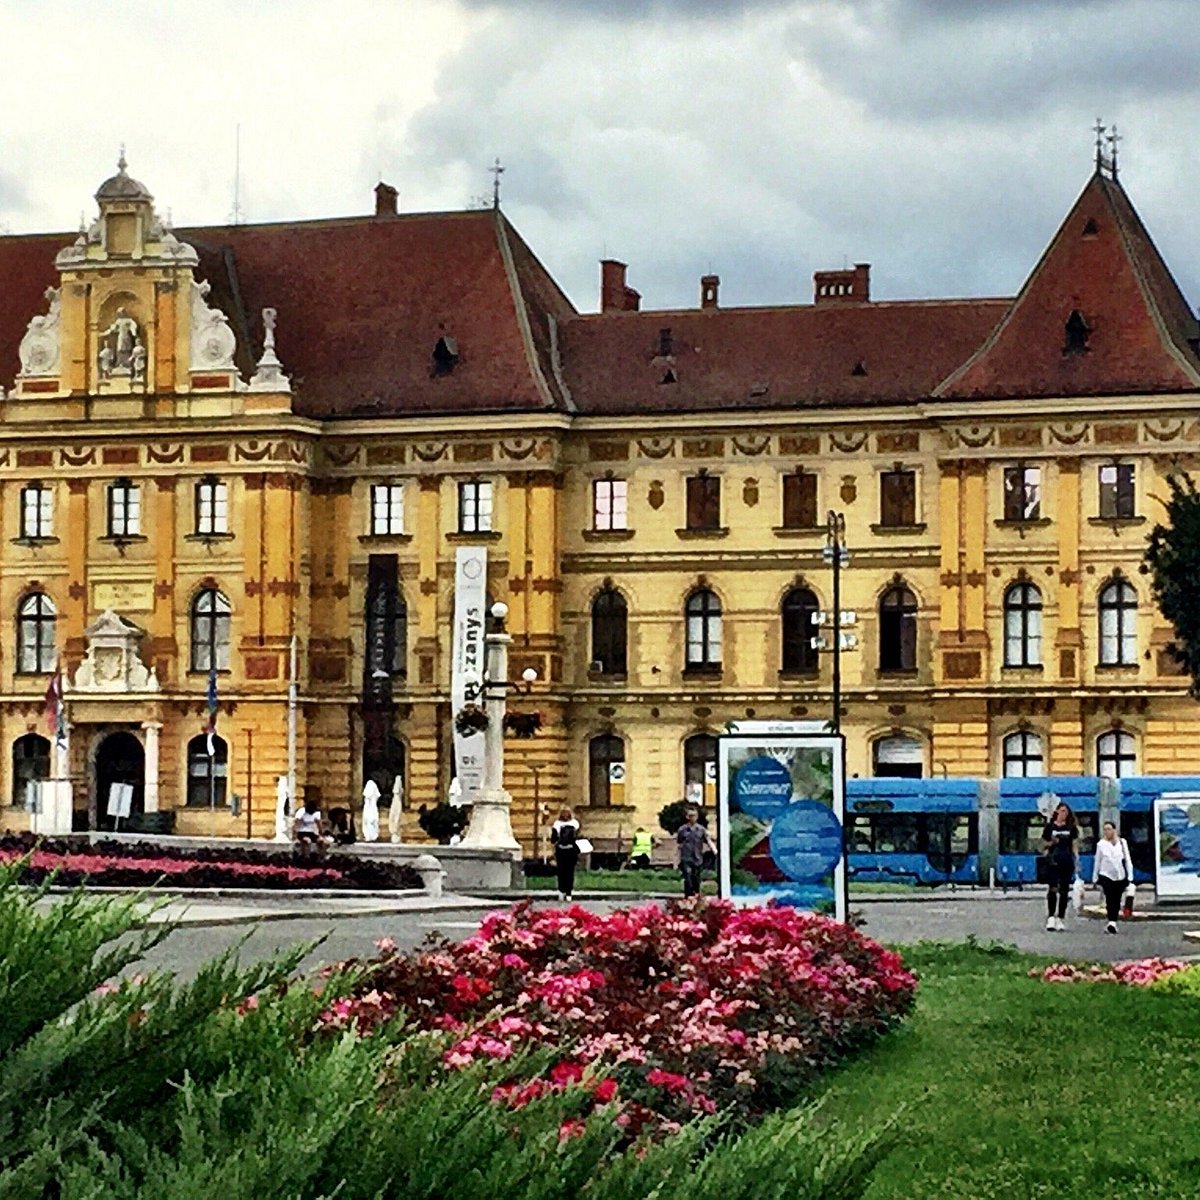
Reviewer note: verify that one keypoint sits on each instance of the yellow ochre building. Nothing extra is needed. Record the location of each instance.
(214, 441)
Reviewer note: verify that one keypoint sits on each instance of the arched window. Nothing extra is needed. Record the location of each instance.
(1118, 625)
(898, 630)
(700, 768)
(606, 766)
(703, 631)
(1023, 626)
(210, 631)
(609, 632)
(35, 635)
(1023, 756)
(207, 775)
(30, 764)
(898, 756)
(797, 611)
(1116, 756)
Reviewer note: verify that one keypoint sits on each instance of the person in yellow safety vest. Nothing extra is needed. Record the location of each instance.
(643, 847)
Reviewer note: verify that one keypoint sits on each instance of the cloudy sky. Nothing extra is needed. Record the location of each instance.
(940, 140)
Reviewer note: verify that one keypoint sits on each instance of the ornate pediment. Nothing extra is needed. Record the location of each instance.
(40, 349)
(113, 664)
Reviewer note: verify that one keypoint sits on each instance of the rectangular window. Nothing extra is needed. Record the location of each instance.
(212, 507)
(898, 498)
(474, 506)
(609, 504)
(37, 511)
(1116, 491)
(124, 509)
(1022, 493)
(704, 502)
(387, 508)
(800, 500)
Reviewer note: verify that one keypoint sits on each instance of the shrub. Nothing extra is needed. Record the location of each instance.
(672, 816)
(1140, 972)
(442, 821)
(687, 1010)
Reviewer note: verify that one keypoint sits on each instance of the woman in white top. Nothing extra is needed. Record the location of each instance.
(1113, 870)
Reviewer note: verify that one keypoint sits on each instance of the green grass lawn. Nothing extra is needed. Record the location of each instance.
(654, 879)
(1003, 1086)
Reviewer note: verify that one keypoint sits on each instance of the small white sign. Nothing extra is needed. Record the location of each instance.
(120, 799)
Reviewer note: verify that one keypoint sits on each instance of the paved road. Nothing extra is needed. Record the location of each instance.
(1018, 919)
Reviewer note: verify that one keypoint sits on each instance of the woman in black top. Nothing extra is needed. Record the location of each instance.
(1059, 837)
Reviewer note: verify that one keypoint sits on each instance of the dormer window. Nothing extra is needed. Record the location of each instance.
(445, 355)
(1077, 332)
(669, 376)
(1090, 228)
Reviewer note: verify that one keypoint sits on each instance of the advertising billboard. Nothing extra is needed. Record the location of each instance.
(781, 798)
(1177, 846)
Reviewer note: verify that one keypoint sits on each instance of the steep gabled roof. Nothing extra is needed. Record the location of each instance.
(1139, 333)
(362, 303)
(801, 356)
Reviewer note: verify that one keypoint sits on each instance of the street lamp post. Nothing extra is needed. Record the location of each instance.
(491, 816)
(835, 552)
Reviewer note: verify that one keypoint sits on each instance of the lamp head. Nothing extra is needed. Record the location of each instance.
(529, 675)
(499, 610)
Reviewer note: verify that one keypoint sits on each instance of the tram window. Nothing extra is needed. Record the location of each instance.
(1021, 833)
(860, 835)
(1087, 833)
(963, 839)
(897, 833)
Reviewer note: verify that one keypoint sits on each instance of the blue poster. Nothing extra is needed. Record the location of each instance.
(781, 810)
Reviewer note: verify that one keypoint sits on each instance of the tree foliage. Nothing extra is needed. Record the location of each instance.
(1173, 559)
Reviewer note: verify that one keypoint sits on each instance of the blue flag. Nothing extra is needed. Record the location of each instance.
(212, 710)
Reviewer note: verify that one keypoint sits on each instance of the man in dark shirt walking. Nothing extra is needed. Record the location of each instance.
(693, 841)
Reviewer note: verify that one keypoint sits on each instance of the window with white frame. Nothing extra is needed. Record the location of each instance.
(387, 508)
(475, 506)
(609, 505)
(1118, 625)
(1024, 757)
(124, 509)
(212, 507)
(37, 511)
(1116, 756)
(1023, 626)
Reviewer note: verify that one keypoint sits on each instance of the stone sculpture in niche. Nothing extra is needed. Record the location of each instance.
(113, 663)
(40, 348)
(119, 346)
(213, 342)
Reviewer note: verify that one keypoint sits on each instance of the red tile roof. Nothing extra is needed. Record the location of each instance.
(362, 302)
(1103, 264)
(750, 358)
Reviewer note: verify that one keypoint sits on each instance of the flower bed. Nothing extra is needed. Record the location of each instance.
(142, 864)
(666, 1012)
(1140, 972)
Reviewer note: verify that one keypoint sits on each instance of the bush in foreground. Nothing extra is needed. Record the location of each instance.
(121, 1088)
(670, 1012)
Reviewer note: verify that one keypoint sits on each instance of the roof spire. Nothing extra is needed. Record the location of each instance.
(496, 170)
(1113, 138)
(121, 163)
(1099, 130)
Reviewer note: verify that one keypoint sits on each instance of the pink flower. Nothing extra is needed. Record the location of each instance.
(385, 945)
(605, 1090)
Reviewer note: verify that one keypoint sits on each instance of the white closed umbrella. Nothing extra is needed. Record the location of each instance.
(281, 809)
(370, 813)
(397, 809)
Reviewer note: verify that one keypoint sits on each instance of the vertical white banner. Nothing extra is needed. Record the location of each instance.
(468, 660)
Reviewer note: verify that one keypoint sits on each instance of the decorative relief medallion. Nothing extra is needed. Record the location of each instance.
(431, 451)
(750, 493)
(1070, 434)
(77, 456)
(848, 443)
(39, 351)
(251, 451)
(213, 342)
(752, 444)
(341, 456)
(974, 436)
(164, 453)
(849, 489)
(1164, 431)
(656, 447)
(656, 496)
(518, 448)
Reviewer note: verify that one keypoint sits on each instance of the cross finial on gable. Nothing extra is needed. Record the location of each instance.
(1113, 138)
(496, 170)
(1099, 130)
(121, 163)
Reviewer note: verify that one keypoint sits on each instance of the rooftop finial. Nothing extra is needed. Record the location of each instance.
(1099, 129)
(496, 170)
(1113, 138)
(121, 163)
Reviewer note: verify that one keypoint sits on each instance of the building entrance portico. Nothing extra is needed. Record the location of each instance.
(119, 758)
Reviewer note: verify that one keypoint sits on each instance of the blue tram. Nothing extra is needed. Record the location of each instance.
(931, 831)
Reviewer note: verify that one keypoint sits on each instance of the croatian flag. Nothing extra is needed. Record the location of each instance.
(212, 711)
(56, 709)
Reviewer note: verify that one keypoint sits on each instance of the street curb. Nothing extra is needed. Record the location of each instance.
(266, 915)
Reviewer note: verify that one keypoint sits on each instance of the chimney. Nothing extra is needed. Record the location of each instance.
(708, 290)
(843, 287)
(614, 295)
(385, 199)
